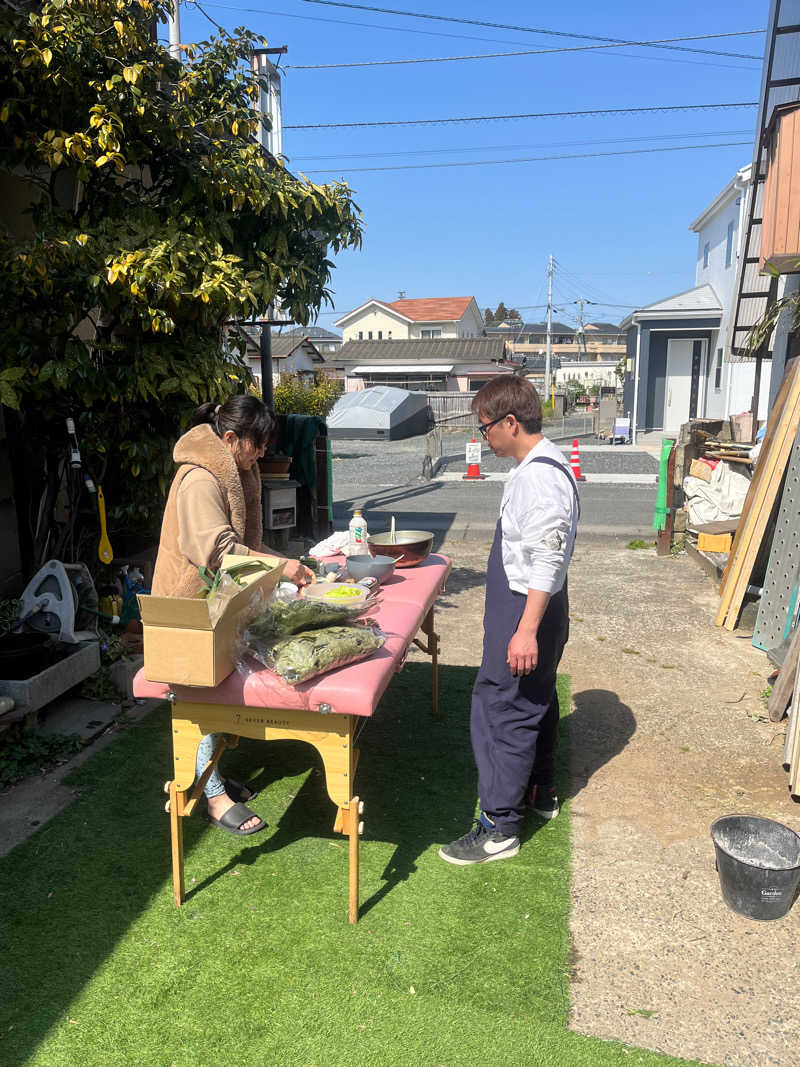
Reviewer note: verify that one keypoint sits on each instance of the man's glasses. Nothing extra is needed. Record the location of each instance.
(484, 427)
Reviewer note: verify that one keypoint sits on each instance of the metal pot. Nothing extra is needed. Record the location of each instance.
(406, 547)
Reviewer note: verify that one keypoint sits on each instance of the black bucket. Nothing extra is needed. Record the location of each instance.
(23, 655)
(758, 861)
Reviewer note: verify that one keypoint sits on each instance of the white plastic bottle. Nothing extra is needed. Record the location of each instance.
(358, 534)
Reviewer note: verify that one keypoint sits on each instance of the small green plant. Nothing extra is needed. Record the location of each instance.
(765, 694)
(101, 684)
(638, 543)
(25, 751)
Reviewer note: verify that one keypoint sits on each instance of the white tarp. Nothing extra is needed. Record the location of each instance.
(721, 498)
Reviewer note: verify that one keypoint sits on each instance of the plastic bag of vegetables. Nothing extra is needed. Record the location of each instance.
(285, 615)
(306, 654)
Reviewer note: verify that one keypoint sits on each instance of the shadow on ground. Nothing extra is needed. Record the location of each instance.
(72, 892)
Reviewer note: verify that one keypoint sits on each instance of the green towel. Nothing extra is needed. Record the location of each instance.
(299, 434)
(662, 508)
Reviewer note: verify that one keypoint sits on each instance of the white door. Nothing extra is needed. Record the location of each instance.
(678, 386)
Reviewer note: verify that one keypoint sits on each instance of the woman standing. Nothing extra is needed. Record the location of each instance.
(214, 508)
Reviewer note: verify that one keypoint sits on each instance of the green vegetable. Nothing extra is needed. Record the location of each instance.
(313, 652)
(281, 618)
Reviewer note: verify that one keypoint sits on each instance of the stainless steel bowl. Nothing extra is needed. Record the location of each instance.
(407, 547)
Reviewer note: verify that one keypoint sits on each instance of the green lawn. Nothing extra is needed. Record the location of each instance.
(447, 966)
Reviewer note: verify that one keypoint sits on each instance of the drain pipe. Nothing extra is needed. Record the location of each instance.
(635, 413)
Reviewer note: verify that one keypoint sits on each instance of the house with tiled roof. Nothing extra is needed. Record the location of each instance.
(325, 341)
(425, 319)
(431, 365)
(291, 354)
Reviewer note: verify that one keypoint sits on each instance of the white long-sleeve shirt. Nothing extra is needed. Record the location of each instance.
(539, 519)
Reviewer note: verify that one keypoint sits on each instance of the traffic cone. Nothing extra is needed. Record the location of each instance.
(575, 462)
(473, 471)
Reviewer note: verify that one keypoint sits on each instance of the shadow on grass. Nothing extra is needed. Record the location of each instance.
(72, 892)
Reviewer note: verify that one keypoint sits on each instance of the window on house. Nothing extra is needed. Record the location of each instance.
(369, 335)
(718, 372)
(431, 333)
(729, 244)
(380, 335)
(706, 250)
(361, 335)
(390, 335)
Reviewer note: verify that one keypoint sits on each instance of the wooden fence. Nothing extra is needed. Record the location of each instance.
(452, 410)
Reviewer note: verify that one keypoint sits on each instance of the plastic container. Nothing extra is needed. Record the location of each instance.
(23, 655)
(758, 861)
(358, 534)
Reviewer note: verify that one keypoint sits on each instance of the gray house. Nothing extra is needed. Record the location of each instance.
(667, 359)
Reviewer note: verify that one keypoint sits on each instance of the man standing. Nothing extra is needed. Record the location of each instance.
(514, 717)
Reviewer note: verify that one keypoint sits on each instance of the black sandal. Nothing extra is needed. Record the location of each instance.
(235, 791)
(233, 819)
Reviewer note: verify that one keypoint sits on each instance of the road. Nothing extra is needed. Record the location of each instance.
(384, 479)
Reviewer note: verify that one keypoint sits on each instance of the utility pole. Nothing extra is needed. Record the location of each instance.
(548, 349)
(175, 30)
(581, 333)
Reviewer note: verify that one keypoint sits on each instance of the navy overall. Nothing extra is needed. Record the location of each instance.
(514, 719)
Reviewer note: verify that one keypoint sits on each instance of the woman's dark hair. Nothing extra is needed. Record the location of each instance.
(508, 394)
(247, 416)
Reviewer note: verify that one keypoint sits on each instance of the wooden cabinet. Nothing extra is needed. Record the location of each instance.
(780, 232)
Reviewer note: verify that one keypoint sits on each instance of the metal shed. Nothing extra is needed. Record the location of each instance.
(382, 412)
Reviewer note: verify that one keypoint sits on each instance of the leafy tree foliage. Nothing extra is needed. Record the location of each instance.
(501, 314)
(151, 215)
(294, 396)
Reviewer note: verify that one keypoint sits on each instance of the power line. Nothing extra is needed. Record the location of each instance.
(535, 159)
(531, 29)
(532, 115)
(527, 52)
(362, 25)
(515, 147)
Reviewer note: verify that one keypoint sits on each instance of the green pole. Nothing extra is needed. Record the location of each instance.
(662, 508)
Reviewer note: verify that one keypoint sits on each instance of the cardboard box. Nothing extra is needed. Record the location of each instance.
(700, 469)
(187, 642)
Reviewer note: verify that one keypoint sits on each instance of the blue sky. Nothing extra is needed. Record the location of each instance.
(616, 225)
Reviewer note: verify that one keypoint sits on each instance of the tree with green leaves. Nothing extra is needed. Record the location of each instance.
(488, 317)
(151, 217)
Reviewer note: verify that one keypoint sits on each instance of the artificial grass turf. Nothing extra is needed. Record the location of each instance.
(447, 966)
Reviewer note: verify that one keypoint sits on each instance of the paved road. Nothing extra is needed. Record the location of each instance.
(384, 479)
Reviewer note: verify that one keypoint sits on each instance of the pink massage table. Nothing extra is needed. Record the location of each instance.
(324, 712)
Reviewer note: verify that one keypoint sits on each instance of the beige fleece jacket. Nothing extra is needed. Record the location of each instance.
(212, 508)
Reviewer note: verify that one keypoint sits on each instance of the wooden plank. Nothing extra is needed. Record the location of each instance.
(794, 744)
(353, 835)
(720, 527)
(761, 498)
(768, 502)
(781, 694)
(758, 474)
(664, 537)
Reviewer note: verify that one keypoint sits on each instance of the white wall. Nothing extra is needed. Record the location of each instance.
(376, 320)
(736, 391)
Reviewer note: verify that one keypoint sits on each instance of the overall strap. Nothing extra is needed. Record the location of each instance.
(560, 467)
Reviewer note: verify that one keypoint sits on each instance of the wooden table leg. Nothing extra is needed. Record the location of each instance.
(431, 647)
(354, 827)
(176, 801)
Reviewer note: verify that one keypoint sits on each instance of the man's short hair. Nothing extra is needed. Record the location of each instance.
(509, 394)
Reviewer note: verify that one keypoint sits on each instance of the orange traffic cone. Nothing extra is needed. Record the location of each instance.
(473, 469)
(575, 462)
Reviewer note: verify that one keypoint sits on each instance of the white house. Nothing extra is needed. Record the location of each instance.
(675, 360)
(413, 320)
